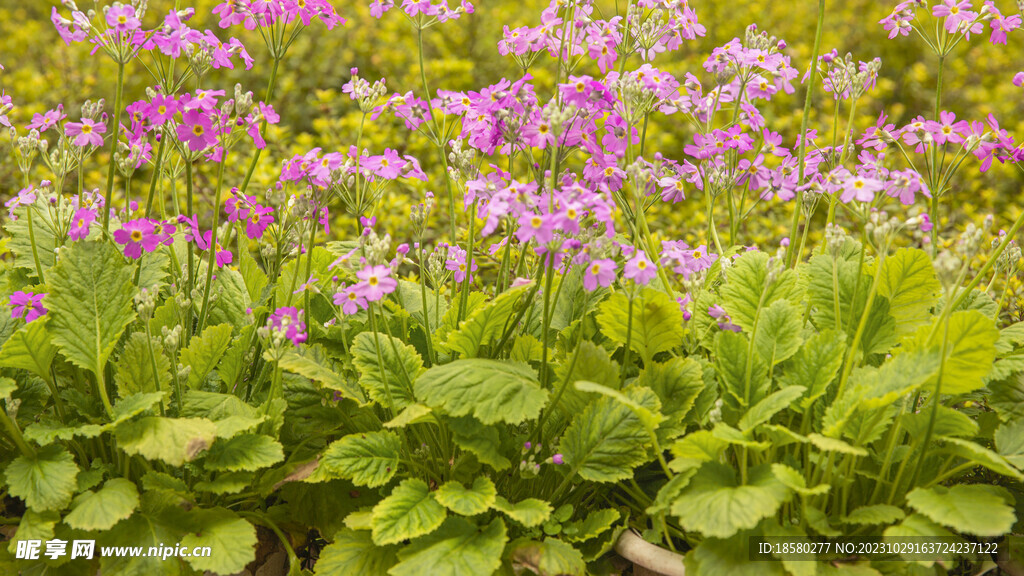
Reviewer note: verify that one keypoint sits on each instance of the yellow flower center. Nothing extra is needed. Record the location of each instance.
(595, 269)
(198, 130)
(373, 281)
(136, 236)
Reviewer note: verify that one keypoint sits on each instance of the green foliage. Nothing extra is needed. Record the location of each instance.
(489, 390)
(410, 511)
(650, 322)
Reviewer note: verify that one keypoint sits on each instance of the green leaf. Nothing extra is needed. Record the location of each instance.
(593, 364)
(815, 365)
(771, 405)
(369, 459)
(46, 480)
(467, 501)
(486, 323)
(530, 512)
(656, 324)
(677, 383)
(596, 523)
(29, 348)
(34, 526)
(948, 422)
(204, 352)
(747, 291)
(874, 515)
(650, 415)
(408, 512)
(608, 440)
(715, 557)
(44, 230)
(231, 539)
(718, 507)
(458, 548)
(247, 452)
(135, 366)
(981, 455)
(918, 527)
(826, 444)
(970, 351)
(481, 440)
(232, 299)
(696, 448)
(90, 303)
(908, 280)
(552, 557)
(103, 509)
(490, 390)
(7, 387)
(172, 440)
(413, 414)
(732, 350)
(777, 336)
(353, 552)
(401, 365)
(412, 300)
(226, 483)
(1009, 440)
(253, 277)
(795, 481)
(974, 509)
(308, 365)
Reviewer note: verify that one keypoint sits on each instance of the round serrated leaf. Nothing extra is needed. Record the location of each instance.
(173, 440)
(972, 509)
(247, 452)
(530, 512)
(353, 552)
(45, 481)
(369, 459)
(103, 509)
(457, 548)
(490, 390)
(409, 511)
(231, 539)
(467, 501)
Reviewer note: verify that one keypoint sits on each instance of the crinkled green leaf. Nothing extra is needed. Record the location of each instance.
(770, 406)
(827, 444)
(981, 455)
(815, 365)
(172, 440)
(368, 459)
(795, 481)
(970, 351)
(656, 324)
(103, 509)
(908, 280)
(394, 376)
(247, 452)
(607, 440)
(226, 483)
(483, 441)
(875, 514)
(732, 350)
(308, 365)
(486, 323)
(29, 348)
(490, 390)
(408, 512)
(596, 523)
(232, 298)
(778, 332)
(1009, 438)
(413, 414)
(715, 505)
(747, 290)
(34, 525)
(90, 303)
(45, 480)
(530, 512)
(457, 548)
(973, 509)
(135, 367)
(552, 557)
(353, 552)
(948, 422)
(477, 499)
(677, 383)
(231, 539)
(204, 352)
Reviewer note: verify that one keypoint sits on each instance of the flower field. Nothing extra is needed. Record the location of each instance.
(433, 287)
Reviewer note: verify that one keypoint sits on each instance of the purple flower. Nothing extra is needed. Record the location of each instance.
(375, 282)
(81, 223)
(599, 273)
(27, 305)
(557, 460)
(1018, 79)
(25, 197)
(121, 17)
(456, 262)
(196, 130)
(288, 321)
(86, 132)
(47, 120)
(724, 321)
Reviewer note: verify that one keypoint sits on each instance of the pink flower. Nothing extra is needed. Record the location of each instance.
(121, 17)
(85, 132)
(288, 321)
(640, 269)
(456, 262)
(259, 219)
(724, 321)
(47, 120)
(350, 300)
(81, 223)
(137, 236)
(860, 188)
(375, 282)
(599, 273)
(196, 130)
(955, 12)
(27, 305)
(25, 197)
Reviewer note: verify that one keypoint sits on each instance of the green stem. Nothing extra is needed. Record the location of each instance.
(935, 405)
(191, 281)
(11, 427)
(990, 262)
(851, 356)
(211, 253)
(113, 146)
(32, 241)
(803, 126)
